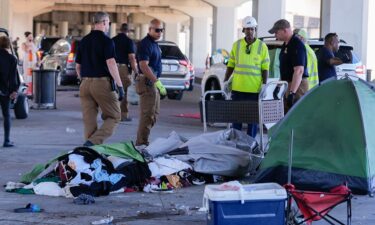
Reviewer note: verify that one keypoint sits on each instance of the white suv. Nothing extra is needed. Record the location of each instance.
(177, 71)
(213, 78)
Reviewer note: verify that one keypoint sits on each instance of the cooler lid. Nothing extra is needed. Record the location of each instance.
(261, 191)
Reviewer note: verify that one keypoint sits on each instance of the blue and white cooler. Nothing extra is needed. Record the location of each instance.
(253, 204)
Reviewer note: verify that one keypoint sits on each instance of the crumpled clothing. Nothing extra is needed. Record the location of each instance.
(166, 166)
(11, 186)
(84, 199)
(49, 189)
(77, 163)
(102, 175)
(79, 180)
(174, 180)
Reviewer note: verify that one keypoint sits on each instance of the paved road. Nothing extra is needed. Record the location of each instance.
(46, 133)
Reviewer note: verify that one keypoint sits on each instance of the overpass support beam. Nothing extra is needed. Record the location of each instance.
(144, 30)
(200, 36)
(86, 29)
(5, 14)
(113, 30)
(224, 29)
(63, 28)
(267, 12)
(172, 32)
(22, 22)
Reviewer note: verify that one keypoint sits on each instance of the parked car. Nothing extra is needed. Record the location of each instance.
(213, 78)
(61, 57)
(21, 104)
(177, 71)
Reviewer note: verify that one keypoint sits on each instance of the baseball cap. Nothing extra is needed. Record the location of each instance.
(280, 24)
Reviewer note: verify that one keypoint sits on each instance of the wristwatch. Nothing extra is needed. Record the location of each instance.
(292, 93)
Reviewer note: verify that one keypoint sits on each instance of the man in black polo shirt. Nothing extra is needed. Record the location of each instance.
(327, 61)
(148, 86)
(293, 62)
(125, 58)
(97, 69)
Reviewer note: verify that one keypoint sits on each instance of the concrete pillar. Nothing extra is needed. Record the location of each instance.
(224, 29)
(112, 30)
(5, 14)
(172, 32)
(63, 28)
(86, 18)
(53, 30)
(187, 43)
(131, 28)
(144, 30)
(86, 29)
(269, 11)
(354, 29)
(20, 23)
(371, 36)
(38, 30)
(200, 38)
(121, 18)
(137, 32)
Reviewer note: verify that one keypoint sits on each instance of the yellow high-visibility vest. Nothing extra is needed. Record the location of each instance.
(247, 74)
(312, 67)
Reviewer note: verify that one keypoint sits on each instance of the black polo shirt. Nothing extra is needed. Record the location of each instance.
(123, 47)
(149, 50)
(8, 73)
(325, 70)
(93, 51)
(291, 55)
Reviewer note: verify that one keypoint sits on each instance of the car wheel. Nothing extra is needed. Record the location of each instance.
(175, 95)
(21, 108)
(191, 87)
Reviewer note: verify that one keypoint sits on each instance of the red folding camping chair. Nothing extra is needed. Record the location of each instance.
(315, 205)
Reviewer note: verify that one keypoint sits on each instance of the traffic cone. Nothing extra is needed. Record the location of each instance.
(29, 74)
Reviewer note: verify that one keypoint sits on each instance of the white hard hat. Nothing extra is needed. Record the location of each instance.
(248, 22)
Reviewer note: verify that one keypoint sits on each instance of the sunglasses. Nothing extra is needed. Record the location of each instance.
(248, 49)
(158, 30)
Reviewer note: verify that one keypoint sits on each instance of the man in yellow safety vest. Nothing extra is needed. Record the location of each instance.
(312, 62)
(248, 64)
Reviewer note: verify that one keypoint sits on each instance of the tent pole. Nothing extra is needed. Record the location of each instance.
(290, 157)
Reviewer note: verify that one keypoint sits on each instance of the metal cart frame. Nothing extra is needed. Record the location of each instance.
(228, 111)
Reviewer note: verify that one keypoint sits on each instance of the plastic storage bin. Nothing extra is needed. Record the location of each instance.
(263, 204)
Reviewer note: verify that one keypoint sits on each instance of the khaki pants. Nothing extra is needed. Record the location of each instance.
(149, 103)
(126, 82)
(302, 89)
(97, 93)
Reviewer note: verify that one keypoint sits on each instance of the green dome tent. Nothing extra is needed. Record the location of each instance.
(334, 139)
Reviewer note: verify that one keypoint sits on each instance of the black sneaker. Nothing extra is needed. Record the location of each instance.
(8, 144)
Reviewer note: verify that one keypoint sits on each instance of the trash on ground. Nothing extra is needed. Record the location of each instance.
(107, 220)
(34, 208)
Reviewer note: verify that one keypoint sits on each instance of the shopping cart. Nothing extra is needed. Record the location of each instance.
(269, 108)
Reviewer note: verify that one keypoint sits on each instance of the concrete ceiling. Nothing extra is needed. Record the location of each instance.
(191, 8)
